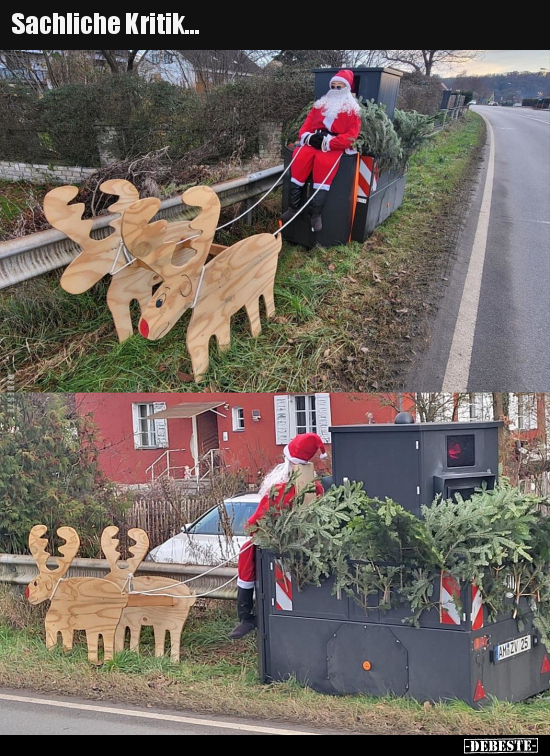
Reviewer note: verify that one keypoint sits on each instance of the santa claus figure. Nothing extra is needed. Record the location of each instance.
(330, 129)
(275, 495)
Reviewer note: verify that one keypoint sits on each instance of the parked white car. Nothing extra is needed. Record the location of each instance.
(204, 541)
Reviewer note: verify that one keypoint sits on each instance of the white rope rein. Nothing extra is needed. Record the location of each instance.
(191, 595)
(212, 569)
(312, 196)
(130, 577)
(122, 247)
(265, 195)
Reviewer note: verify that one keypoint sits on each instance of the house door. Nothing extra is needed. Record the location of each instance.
(207, 440)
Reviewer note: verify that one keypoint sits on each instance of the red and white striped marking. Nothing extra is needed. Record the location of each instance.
(449, 600)
(367, 167)
(476, 617)
(283, 589)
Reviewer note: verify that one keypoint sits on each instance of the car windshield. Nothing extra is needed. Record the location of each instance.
(237, 514)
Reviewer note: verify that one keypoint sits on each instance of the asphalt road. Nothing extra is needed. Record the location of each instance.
(492, 330)
(27, 713)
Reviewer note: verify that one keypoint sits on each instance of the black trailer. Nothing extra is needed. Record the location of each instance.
(335, 645)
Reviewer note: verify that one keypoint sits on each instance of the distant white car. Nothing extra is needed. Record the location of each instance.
(472, 102)
(493, 103)
(212, 538)
(517, 105)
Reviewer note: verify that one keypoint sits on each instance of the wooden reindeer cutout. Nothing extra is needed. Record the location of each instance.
(237, 276)
(91, 604)
(163, 616)
(99, 257)
(305, 476)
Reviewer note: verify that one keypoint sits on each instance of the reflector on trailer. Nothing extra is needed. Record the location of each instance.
(545, 665)
(480, 692)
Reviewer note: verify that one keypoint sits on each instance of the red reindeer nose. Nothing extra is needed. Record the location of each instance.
(144, 328)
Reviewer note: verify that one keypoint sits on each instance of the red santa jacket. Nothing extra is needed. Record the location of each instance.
(279, 501)
(346, 126)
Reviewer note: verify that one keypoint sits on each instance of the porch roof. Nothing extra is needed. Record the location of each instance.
(187, 409)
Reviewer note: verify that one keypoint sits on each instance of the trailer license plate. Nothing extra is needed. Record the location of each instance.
(512, 648)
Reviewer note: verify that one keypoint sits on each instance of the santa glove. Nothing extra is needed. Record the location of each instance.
(304, 137)
(325, 146)
(316, 140)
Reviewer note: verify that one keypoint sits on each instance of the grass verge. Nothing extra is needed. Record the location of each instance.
(349, 318)
(220, 677)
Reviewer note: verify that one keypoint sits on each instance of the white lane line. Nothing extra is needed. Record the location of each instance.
(460, 356)
(152, 715)
(541, 120)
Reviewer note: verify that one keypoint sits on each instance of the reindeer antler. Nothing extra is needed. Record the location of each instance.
(38, 546)
(109, 544)
(98, 255)
(140, 548)
(156, 243)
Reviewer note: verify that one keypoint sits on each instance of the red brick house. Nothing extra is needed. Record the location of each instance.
(147, 435)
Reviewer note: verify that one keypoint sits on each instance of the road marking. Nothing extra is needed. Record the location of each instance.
(152, 715)
(460, 356)
(541, 120)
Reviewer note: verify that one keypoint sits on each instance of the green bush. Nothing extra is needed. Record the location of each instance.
(498, 540)
(50, 474)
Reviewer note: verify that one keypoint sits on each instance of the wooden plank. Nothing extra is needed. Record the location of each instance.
(140, 599)
(306, 475)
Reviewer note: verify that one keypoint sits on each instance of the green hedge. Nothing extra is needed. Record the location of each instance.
(60, 125)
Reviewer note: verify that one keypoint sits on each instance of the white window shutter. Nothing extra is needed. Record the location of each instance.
(161, 427)
(324, 421)
(135, 423)
(282, 420)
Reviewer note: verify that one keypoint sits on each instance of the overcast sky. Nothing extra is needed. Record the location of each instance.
(502, 61)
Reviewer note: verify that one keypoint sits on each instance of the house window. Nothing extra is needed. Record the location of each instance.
(305, 416)
(145, 432)
(238, 419)
(149, 433)
(168, 59)
(155, 57)
(302, 413)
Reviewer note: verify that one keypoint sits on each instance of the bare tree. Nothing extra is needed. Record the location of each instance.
(123, 61)
(423, 61)
(330, 58)
(25, 68)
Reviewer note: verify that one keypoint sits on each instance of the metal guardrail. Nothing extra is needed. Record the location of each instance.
(32, 255)
(20, 570)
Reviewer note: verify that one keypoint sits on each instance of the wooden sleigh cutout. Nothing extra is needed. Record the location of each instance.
(236, 277)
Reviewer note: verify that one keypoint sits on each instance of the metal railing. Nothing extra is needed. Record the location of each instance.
(168, 468)
(29, 256)
(211, 460)
(20, 570)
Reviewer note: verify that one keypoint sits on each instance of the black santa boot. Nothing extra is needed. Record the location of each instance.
(245, 612)
(315, 208)
(294, 202)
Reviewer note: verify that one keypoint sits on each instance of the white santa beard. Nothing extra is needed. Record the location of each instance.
(280, 474)
(337, 101)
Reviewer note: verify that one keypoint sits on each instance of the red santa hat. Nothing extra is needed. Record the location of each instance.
(345, 76)
(302, 448)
